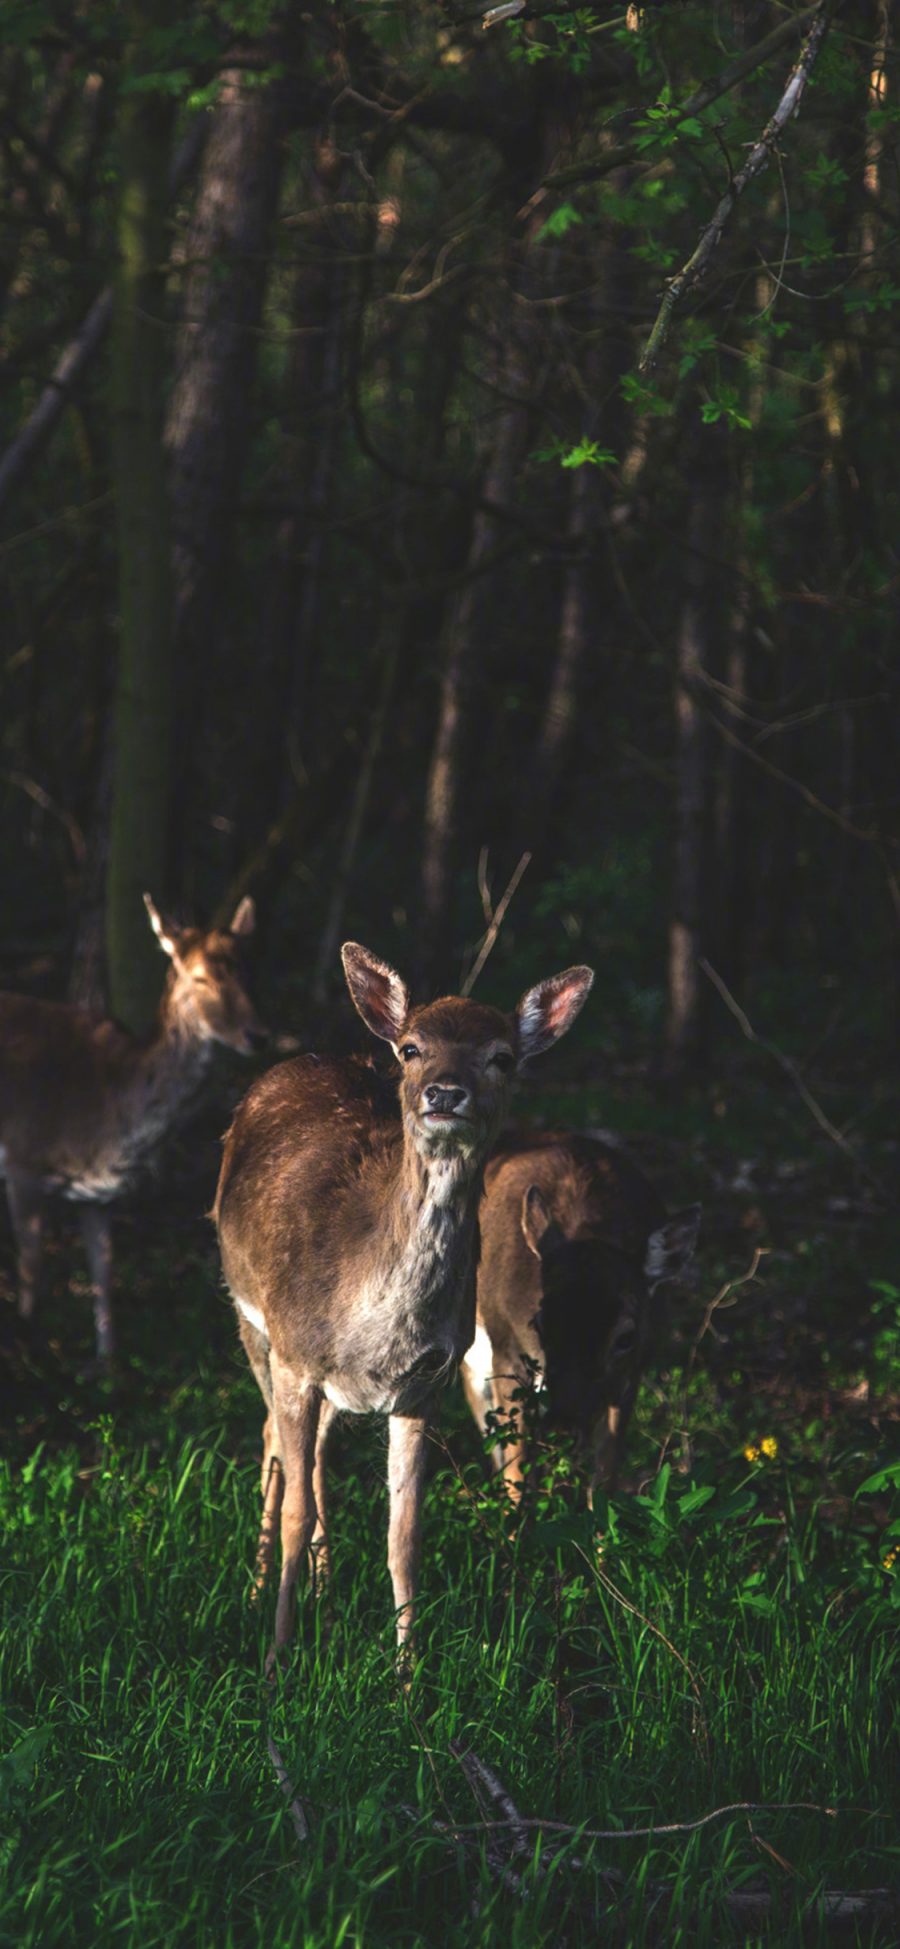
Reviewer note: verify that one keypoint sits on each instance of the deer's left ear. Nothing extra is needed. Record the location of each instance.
(244, 917)
(547, 1011)
(166, 935)
(670, 1248)
(538, 1223)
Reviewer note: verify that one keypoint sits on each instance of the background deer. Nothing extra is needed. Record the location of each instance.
(84, 1106)
(574, 1244)
(347, 1215)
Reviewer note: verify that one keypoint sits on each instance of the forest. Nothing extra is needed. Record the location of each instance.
(449, 501)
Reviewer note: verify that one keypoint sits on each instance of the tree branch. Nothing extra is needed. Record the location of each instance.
(72, 365)
(711, 91)
(699, 262)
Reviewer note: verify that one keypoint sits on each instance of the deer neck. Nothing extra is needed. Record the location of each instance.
(166, 1071)
(431, 1228)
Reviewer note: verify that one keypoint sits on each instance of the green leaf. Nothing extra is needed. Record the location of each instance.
(588, 454)
(886, 1478)
(561, 219)
(695, 1499)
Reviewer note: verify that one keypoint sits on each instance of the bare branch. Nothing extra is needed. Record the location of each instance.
(762, 152)
(296, 1808)
(790, 1068)
(495, 925)
(651, 1832)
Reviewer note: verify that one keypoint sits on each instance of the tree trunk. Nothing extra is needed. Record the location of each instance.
(686, 1022)
(462, 644)
(143, 702)
(208, 424)
(558, 722)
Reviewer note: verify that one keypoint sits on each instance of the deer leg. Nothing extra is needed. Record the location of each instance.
(27, 1206)
(272, 1492)
(607, 1443)
(95, 1231)
(319, 1550)
(480, 1395)
(296, 1414)
(509, 1456)
(256, 1347)
(406, 1477)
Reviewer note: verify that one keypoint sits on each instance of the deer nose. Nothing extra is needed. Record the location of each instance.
(444, 1096)
(258, 1038)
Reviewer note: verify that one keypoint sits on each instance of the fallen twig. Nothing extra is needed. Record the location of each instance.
(478, 1773)
(523, 1824)
(295, 1805)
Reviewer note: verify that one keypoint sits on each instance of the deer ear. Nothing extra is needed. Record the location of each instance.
(244, 917)
(166, 935)
(538, 1223)
(379, 994)
(670, 1248)
(548, 1010)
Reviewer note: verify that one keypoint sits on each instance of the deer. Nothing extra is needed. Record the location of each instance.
(85, 1106)
(347, 1217)
(575, 1244)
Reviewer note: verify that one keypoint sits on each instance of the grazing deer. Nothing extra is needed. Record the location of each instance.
(84, 1105)
(347, 1213)
(574, 1243)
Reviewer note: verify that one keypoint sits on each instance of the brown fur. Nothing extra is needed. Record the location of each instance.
(84, 1106)
(347, 1216)
(574, 1243)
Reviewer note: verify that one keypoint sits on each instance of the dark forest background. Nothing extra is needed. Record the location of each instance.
(350, 551)
(432, 436)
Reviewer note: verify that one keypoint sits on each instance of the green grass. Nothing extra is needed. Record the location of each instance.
(753, 1658)
(737, 1639)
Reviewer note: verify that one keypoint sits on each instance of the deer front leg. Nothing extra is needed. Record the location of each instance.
(319, 1549)
(97, 1236)
(296, 1407)
(406, 1477)
(27, 1206)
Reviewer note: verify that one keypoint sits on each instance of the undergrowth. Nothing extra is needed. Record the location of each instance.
(724, 1632)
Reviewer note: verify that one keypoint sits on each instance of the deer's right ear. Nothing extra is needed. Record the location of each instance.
(165, 935)
(379, 994)
(548, 1010)
(538, 1224)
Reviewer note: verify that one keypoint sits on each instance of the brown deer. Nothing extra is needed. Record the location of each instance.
(347, 1213)
(574, 1244)
(84, 1106)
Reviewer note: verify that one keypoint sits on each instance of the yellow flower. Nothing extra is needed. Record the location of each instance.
(887, 1562)
(762, 1451)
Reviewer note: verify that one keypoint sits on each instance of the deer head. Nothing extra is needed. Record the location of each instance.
(207, 983)
(594, 1319)
(458, 1058)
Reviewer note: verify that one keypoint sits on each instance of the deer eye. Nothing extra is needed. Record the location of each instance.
(502, 1061)
(409, 1052)
(201, 978)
